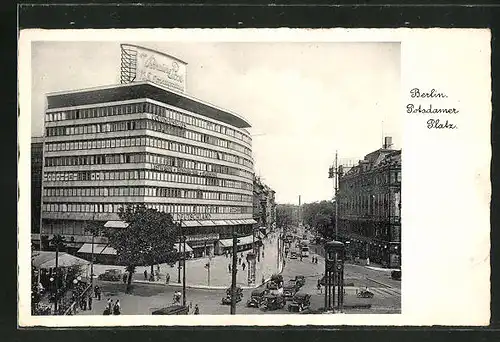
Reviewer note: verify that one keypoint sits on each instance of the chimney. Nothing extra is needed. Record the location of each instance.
(388, 142)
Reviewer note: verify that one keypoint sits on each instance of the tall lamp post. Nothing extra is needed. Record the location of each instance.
(58, 242)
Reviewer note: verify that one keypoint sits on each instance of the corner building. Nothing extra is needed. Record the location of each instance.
(134, 143)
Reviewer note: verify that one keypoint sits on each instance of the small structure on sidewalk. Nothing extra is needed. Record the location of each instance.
(334, 275)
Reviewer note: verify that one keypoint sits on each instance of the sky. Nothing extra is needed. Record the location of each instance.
(305, 101)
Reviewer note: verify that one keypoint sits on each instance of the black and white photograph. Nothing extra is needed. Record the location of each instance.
(215, 177)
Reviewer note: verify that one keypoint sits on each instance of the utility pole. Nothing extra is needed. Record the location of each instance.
(179, 254)
(183, 267)
(336, 180)
(233, 275)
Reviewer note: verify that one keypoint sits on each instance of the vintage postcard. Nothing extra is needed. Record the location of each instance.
(254, 177)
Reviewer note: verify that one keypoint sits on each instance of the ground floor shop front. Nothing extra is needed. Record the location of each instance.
(376, 242)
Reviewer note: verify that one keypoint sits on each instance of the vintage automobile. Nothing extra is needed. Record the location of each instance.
(396, 274)
(239, 296)
(290, 289)
(172, 310)
(257, 297)
(364, 293)
(111, 275)
(293, 255)
(301, 302)
(273, 302)
(300, 280)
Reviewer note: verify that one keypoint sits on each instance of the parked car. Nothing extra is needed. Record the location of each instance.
(396, 274)
(111, 275)
(257, 297)
(273, 302)
(172, 310)
(290, 289)
(293, 255)
(300, 280)
(301, 302)
(239, 296)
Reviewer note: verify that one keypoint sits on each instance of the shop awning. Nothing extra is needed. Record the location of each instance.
(116, 224)
(221, 223)
(245, 240)
(188, 248)
(232, 222)
(45, 259)
(250, 221)
(207, 223)
(87, 248)
(191, 223)
(109, 251)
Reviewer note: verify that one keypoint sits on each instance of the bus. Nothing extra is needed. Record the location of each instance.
(304, 248)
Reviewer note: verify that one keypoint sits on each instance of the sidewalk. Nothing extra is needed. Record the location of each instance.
(220, 276)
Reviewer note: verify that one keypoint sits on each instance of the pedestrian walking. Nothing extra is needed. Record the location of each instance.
(196, 310)
(239, 261)
(167, 278)
(98, 292)
(84, 303)
(116, 308)
(145, 274)
(109, 305)
(90, 302)
(320, 288)
(124, 278)
(229, 267)
(243, 266)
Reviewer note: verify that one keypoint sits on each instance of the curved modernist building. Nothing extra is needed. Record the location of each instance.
(134, 143)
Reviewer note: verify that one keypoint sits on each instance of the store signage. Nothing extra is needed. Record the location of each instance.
(202, 237)
(183, 170)
(168, 121)
(193, 216)
(142, 64)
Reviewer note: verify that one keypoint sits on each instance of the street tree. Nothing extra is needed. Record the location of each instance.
(148, 240)
(286, 216)
(321, 217)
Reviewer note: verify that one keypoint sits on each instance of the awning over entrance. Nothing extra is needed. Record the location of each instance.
(221, 223)
(250, 221)
(109, 251)
(190, 223)
(207, 223)
(87, 248)
(116, 224)
(45, 259)
(241, 241)
(188, 248)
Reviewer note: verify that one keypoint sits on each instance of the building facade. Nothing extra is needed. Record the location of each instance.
(140, 143)
(369, 206)
(264, 205)
(36, 182)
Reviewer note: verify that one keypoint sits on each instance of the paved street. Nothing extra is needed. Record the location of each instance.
(220, 277)
(147, 296)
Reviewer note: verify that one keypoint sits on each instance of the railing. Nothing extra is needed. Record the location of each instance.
(73, 307)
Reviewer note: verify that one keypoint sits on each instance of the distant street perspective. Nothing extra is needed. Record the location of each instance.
(147, 200)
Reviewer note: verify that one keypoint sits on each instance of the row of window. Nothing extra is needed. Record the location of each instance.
(145, 191)
(144, 107)
(392, 177)
(138, 124)
(134, 142)
(379, 205)
(117, 158)
(168, 208)
(146, 175)
(152, 158)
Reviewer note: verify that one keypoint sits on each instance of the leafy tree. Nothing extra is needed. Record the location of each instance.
(320, 216)
(286, 216)
(148, 240)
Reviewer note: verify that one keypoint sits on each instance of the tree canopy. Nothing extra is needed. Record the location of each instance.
(286, 215)
(148, 240)
(320, 216)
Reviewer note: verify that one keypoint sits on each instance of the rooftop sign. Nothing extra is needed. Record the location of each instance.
(142, 64)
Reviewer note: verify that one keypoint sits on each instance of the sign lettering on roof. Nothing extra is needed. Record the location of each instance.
(140, 64)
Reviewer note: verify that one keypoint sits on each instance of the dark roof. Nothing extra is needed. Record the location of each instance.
(335, 244)
(140, 90)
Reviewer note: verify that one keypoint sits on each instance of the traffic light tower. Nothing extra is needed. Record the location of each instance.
(334, 276)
